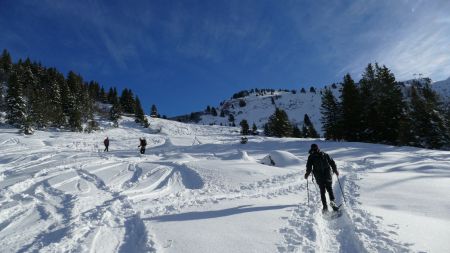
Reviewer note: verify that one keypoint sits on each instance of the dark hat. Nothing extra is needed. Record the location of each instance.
(314, 148)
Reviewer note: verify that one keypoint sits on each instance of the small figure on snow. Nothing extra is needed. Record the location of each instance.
(142, 144)
(244, 140)
(321, 164)
(106, 142)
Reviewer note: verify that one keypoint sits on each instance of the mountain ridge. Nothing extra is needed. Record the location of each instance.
(258, 105)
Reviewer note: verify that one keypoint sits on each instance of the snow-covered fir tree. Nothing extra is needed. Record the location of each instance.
(429, 125)
(15, 103)
(115, 112)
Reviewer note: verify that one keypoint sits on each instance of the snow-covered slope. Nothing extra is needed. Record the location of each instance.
(197, 189)
(442, 88)
(258, 108)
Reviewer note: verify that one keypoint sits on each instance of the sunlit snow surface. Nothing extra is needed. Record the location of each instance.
(197, 189)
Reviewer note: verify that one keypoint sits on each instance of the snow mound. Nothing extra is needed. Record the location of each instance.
(280, 158)
(167, 143)
(246, 157)
(240, 155)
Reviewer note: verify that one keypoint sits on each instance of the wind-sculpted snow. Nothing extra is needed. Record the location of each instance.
(197, 189)
(280, 158)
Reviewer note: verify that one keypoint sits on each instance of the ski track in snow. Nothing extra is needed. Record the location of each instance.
(350, 230)
(74, 198)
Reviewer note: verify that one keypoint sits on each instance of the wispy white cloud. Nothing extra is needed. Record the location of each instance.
(105, 31)
(332, 36)
(421, 44)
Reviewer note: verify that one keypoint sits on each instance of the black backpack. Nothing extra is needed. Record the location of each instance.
(322, 171)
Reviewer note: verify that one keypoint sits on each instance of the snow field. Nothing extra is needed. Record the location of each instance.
(197, 189)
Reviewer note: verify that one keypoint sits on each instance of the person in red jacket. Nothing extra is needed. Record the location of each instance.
(106, 142)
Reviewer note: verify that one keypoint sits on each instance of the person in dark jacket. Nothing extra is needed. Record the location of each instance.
(106, 142)
(142, 144)
(321, 165)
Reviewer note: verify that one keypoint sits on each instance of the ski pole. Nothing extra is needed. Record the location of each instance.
(307, 190)
(343, 196)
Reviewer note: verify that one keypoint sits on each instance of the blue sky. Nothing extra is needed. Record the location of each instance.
(184, 55)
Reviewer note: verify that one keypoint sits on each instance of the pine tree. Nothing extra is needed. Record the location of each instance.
(154, 111)
(350, 109)
(279, 124)
(368, 93)
(267, 131)
(430, 127)
(127, 101)
(214, 112)
(231, 118)
(5, 70)
(75, 119)
(308, 128)
(330, 116)
(406, 127)
(382, 102)
(54, 107)
(6, 65)
(90, 93)
(112, 93)
(254, 129)
(86, 104)
(390, 104)
(139, 112)
(115, 111)
(103, 96)
(296, 133)
(245, 128)
(15, 104)
(75, 97)
(33, 93)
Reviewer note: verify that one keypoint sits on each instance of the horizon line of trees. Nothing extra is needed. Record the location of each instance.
(381, 110)
(279, 125)
(34, 96)
(263, 92)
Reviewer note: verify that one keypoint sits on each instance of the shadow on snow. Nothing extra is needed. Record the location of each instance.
(216, 213)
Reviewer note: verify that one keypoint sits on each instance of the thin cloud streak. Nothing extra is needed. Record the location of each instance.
(423, 46)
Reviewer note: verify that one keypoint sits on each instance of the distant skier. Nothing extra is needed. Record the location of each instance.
(106, 142)
(142, 144)
(321, 164)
